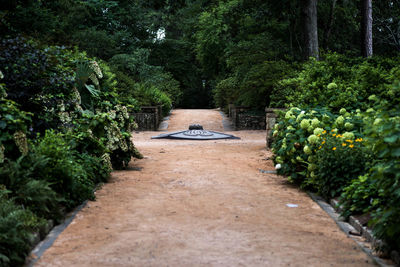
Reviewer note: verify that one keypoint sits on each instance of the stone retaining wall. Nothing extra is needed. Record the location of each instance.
(250, 122)
(149, 118)
(241, 120)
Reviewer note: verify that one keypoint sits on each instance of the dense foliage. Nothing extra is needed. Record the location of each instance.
(337, 81)
(63, 129)
(72, 72)
(351, 154)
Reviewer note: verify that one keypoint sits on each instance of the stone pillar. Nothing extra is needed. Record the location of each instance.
(157, 114)
(270, 120)
(230, 110)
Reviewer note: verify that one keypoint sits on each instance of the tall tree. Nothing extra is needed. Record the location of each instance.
(328, 26)
(310, 28)
(366, 26)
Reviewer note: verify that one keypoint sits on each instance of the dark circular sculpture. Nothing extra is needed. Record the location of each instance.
(196, 132)
(195, 127)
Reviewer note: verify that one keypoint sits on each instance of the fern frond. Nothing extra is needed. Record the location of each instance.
(93, 91)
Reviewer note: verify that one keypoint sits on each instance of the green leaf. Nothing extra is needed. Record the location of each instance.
(391, 139)
(9, 117)
(93, 91)
(396, 152)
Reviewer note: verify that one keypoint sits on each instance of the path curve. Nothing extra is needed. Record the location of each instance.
(202, 203)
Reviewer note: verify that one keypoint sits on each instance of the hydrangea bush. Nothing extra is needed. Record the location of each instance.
(300, 134)
(354, 155)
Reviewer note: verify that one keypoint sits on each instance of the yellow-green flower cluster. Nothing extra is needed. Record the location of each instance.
(348, 135)
(307, 150)
(96, 74)
(304, 124)
(313, 139)
(348, 126)
(339, 121)
(289, 115)
(21, 142)
(106, 159)
(319, 131)
(332, 86)
(315, 123)
(115, 138)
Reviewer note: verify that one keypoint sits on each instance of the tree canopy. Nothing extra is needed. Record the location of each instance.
(204, 41)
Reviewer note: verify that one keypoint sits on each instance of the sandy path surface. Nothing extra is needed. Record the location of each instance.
(202, 203)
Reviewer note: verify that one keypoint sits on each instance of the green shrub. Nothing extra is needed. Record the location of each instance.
(39, 79)
(63, 170)
(151, 95)
(257, 84)
(13, 127)
(136, 67)
(125, 88)
(337, 81)
(382, 131)
(291, 146)
(253, 86)
(61, 103)
(26, 186)
(338, 162)
(298, 135)
(16, 228)
(106, 135)
(89, 40)
(168, 85)
(359, 196)
(225, 92)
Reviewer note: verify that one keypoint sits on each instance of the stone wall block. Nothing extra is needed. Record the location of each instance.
(270, 120)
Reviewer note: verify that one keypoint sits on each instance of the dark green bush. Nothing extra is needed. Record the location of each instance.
(148, 78)
(359, 196)
(106, 135)
(13, 127)
(151, 95)
(39, 79)
(257, 85)
(16, 228)
(338, 162)
(337, 82)
(253, 87)
(88, 40)
(382, 130)
(63, 171)
(225, 92)
(126, 86)
(23, 178)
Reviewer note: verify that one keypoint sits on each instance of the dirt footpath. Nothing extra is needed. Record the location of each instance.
(202, 203)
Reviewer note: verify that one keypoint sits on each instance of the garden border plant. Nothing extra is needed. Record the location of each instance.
(55, 151)
(351, 155)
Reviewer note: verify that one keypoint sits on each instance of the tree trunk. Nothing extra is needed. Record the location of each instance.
(366, 26)
(328, 27)
(310, 28)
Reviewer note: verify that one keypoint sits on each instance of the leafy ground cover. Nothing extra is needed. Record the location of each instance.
(348, 153)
